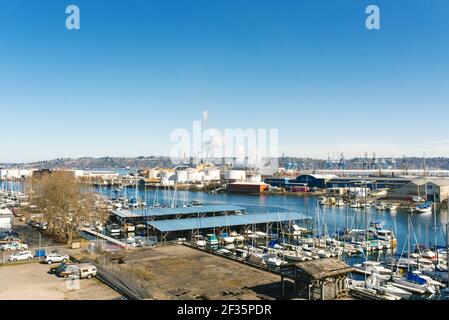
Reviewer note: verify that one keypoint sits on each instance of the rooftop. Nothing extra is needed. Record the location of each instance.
(176, 211)
(324, 268)
(223, 221)
(438, 182)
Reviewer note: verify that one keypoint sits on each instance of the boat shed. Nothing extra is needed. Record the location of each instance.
(138, 215)
(191, 226)
(323, 279)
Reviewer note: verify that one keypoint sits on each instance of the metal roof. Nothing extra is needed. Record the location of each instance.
(223, 221)
(176, 211)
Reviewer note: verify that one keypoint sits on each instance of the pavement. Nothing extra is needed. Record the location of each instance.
(34, 282)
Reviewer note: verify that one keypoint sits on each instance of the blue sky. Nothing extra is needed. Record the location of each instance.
(137, 70)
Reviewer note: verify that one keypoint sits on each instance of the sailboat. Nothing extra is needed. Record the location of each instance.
(376, 283)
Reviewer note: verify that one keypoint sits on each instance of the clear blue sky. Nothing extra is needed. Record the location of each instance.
(136, 70)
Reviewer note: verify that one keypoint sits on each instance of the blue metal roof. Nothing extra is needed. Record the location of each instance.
(176, 211)
(223, 221)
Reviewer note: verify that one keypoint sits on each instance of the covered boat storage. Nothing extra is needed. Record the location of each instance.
(190, 227)
(140, 216)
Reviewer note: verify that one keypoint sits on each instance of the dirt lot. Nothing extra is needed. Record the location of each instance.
(179, 272)
(33, 282)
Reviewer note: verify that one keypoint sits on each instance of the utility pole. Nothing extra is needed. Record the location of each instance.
(447, 251)
(40, 242)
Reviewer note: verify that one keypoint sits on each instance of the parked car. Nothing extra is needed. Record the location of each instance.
(67, 270)
(13, 246)
(59, 267)
(87, 270)
(23, 255)
(56, 257)
(43, 226)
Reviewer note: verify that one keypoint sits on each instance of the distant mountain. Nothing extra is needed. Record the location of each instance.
(103, 163)
(285, 161)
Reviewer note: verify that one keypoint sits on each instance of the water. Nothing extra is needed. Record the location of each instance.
(333, 218)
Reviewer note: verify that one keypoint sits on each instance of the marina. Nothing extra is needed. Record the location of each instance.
(387, 253)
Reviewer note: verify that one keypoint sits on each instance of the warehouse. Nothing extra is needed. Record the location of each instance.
(372, 183)
(277, 182)
(314, 180)
(437, 190)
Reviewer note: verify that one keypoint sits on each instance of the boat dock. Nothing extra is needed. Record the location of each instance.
(104, 237)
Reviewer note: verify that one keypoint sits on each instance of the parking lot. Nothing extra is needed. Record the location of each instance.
(34, 282)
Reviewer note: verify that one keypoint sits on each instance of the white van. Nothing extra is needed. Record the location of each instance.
(87, 270)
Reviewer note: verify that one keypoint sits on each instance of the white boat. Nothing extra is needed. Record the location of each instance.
(294, 255)
(355, 204)
(373, 267)
(273, 260)
(425, 207)
(376, 283)
(340, 203)
(322, 201)
(414, 283)
(380, 206)
(360, 287)
(391, 207)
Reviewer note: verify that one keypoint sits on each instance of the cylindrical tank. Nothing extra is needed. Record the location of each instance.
(238, 175)
(181, 176)
(255, 177)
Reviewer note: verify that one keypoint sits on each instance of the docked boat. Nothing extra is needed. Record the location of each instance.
(380, 206)
(322, 201)
(373, 267)
(211, 240)
(200, 241)
(360, 287)
(391, 207)
(377, 231)
(415, 283)
(355, 204)
(425, 207)
(379, 284)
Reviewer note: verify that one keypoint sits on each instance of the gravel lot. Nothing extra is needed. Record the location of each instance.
(33, 282)
(179, 272)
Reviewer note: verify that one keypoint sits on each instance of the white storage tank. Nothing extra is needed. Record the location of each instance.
(254, 177)
(181, 176)
(194, 176)
(167, 175)
(211, 174)
(237, 175)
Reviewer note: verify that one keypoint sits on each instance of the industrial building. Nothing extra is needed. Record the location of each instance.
(373, 183)
(313, 180)
(277, 182)
(436, 189)
(247, 187)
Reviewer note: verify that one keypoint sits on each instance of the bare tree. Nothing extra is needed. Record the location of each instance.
(66, 204)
